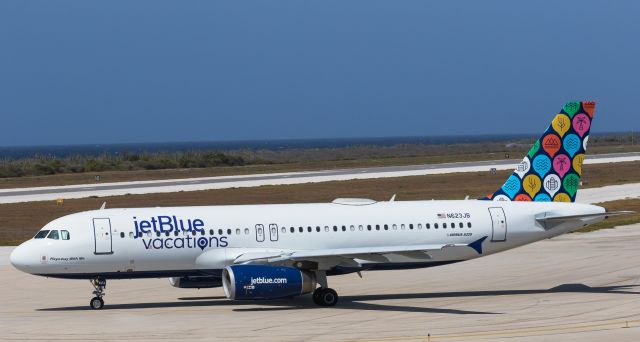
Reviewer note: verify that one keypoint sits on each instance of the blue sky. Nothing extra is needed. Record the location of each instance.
(76, 72)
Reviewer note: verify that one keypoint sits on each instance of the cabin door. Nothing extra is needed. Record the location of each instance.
(499, 222)
(102, 235)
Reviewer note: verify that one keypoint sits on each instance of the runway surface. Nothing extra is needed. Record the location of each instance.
(577, 287)
(224, 182)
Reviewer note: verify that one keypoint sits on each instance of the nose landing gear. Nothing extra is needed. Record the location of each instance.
(99, 284)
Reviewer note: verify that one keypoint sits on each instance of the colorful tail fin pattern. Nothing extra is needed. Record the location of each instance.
(552, 168)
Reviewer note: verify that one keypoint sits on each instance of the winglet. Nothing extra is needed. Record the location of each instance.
(477, 245)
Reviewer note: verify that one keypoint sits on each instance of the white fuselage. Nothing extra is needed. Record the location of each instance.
(144, 242)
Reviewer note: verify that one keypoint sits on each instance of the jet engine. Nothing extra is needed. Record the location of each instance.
(266, 282)
(195, 282)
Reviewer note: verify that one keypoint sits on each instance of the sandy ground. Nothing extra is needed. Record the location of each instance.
(577, 287)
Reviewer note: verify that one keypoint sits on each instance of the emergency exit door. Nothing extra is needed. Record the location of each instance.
(273, 232)
(499, 223)
(259, 233)
(102, 235)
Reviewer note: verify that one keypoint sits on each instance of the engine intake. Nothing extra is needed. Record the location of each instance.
(250, 282)
(195, 282)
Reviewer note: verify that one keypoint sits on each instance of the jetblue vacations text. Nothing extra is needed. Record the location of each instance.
(167, 229)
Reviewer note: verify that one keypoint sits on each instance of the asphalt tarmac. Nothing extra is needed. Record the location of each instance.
(576, 287)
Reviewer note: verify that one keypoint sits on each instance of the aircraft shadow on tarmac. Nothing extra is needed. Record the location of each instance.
(359, 302)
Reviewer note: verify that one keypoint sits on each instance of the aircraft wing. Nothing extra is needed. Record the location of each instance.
(351, 255)
(550, 220)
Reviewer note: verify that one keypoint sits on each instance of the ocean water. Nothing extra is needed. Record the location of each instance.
(98, 149)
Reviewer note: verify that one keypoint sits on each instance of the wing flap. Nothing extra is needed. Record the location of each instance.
(374, 254)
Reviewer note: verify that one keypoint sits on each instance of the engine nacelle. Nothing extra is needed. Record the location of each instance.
(265, 282)
(195, 282)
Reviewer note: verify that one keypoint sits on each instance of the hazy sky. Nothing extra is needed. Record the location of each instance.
(152, 71)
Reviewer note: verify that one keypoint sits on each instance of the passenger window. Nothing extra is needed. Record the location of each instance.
(210, 231)
(428, 225)
(326, 228)
(419, 225)
(237, 231)
(395, 226)
(411, 226)
(444, 225)
(228, 231)
(309, 229)
(368, 227)
(460, 225)
(131, 234)
(335, 228)
(300, 229)
(402, 226)
(344, 228)
(293, 230)
(220, 232)
(64, 234)
(453, 224)
(318, 229)
(352, 228)
(469, 224)
(283, 229)
(121, 236)
(175, 233)
(53, 235)
(377, 227)
(386, 227)
(360, 227)
(435, 225)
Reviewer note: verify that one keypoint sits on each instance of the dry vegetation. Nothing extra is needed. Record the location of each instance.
(37, 171)
(18, 222)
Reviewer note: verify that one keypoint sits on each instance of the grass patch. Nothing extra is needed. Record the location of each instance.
(18, 222)
(53, 171)
(615, 221)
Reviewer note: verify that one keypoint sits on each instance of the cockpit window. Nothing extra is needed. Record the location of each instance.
(41, 234)
(64, 234)
(53, 235)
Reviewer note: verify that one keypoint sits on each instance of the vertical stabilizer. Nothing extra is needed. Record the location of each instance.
(552, 168)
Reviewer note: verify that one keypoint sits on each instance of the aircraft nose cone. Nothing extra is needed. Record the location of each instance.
(19, 258)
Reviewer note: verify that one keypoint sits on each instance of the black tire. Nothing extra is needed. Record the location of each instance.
(329, 297)
(316, 295)
(96, 303)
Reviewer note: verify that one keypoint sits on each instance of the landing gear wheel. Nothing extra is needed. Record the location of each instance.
(316, 295)
(325, 297)
(99, 284)
(96, 303)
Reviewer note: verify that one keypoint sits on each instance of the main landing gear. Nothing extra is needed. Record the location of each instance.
(99, 284)
(324, 296)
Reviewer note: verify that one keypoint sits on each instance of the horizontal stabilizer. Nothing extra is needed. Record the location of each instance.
(550, 220)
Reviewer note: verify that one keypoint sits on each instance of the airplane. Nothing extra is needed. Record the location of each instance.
(286, 250)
